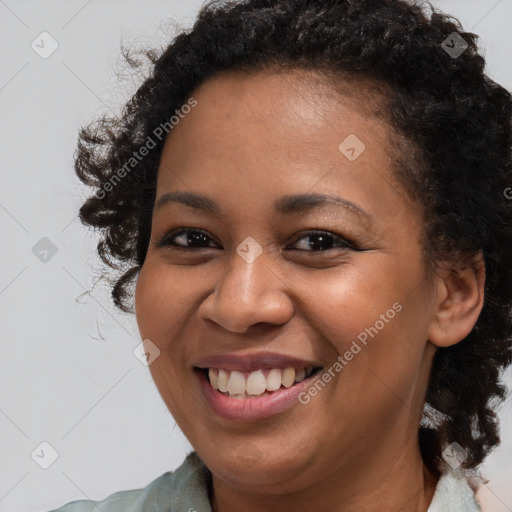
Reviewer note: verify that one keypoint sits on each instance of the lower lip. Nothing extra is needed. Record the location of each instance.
(250, 409)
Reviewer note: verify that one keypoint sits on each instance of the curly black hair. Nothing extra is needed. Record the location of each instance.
(456, 165)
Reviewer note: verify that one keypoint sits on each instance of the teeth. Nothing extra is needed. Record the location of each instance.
(235, 383)
(223, 381)
(300, 375)
(214, 378)
(256, 383)
(274, 379)
(288, 377)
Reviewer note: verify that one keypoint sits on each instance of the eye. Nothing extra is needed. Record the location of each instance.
(313, 241)
(321, 241)
(195, 238)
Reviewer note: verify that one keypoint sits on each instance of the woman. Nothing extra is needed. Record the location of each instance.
(312, 197)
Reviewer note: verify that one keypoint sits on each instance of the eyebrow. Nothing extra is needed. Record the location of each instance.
(286, 205)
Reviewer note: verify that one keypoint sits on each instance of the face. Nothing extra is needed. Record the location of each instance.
(256, 279)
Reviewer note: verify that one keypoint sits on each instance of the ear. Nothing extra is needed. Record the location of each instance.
(459, 301)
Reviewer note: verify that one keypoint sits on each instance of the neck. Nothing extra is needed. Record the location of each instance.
(376, 485)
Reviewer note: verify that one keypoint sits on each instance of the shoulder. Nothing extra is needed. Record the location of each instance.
(185, 489)
(454, 492)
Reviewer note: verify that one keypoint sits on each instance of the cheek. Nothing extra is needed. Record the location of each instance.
(376, 318)
(161, 307)
(344, 303)
(166, 302)
(162, 298)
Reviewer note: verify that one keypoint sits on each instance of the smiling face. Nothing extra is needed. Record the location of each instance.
(318, 279)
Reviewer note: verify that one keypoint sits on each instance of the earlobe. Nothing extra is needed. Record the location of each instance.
(459, 301)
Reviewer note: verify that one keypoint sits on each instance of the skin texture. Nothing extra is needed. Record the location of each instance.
(252, 139)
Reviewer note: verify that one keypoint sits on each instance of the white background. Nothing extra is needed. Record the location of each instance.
(91, 399)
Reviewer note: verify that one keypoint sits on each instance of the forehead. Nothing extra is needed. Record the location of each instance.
(292, 118)
(254, 137)
(296, 94)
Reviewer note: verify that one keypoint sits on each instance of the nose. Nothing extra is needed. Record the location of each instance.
(246, 295)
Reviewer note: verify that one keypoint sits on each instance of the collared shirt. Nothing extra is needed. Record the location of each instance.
(186, 490)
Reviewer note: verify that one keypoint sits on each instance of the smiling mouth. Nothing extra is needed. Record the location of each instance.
(255, 384)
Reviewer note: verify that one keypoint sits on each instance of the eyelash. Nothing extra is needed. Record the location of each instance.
(167, 240)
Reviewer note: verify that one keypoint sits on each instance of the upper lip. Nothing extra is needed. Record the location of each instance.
(254, 361)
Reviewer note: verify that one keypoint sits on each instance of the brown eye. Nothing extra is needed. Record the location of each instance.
(187, 239)
(321, 241)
